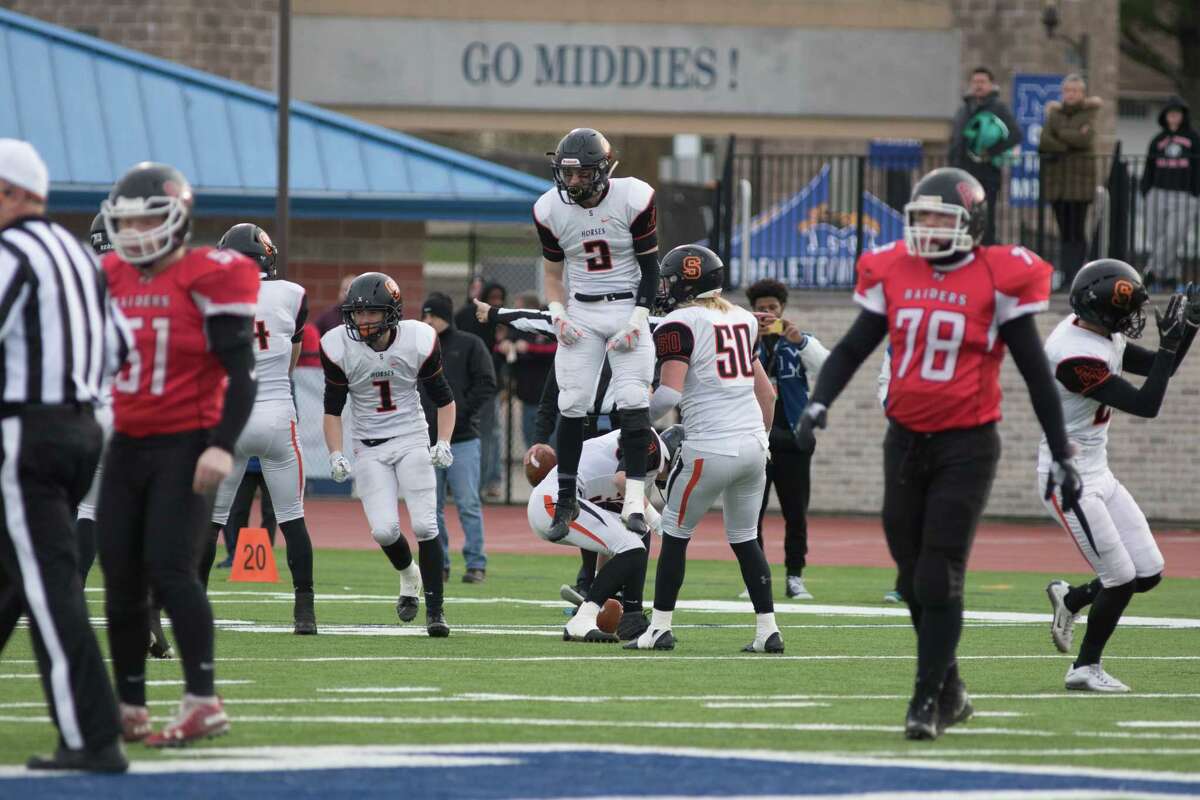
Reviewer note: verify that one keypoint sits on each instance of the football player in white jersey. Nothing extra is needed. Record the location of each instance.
(376, 359)
(706, 350)
(600, 258)
(270, 433)
(601, 485)
(1088, 351)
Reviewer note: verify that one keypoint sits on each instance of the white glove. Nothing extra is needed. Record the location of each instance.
(627, 338)
(566, 331)
(440, 454)
(339, 467)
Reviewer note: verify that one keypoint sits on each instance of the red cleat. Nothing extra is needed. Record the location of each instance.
(196, 720)
(135, 723)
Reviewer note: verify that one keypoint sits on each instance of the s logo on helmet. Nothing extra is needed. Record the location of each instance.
(1122, 294)
(392, 289)
(692, 268)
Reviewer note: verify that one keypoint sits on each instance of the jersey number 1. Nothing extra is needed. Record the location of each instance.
(385, 397)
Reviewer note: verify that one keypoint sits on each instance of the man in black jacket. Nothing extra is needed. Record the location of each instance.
(984, 130)
(468, 368)
(1171, 186)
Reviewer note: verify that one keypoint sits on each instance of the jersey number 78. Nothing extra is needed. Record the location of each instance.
(938, 336)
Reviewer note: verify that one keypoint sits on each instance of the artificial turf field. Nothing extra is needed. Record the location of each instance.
(824, 719)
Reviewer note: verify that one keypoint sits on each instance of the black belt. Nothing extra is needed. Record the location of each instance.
(596, 298)
(16, 409)
(376, 442)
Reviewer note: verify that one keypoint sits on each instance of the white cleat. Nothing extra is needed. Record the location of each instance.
(653, 639)
(585, 630)
(745, 595)
(1062, 623)
(796, 589)
(569, 594)
(1093, 678)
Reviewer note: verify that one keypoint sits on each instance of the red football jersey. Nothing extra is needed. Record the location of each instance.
(943, 328)
(171, 382)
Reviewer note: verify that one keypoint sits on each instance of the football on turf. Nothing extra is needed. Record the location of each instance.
(539, 464)
(609, 616)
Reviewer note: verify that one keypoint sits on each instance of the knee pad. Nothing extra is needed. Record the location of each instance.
(1141, 585)
(386, 536)
(937, 580)
(737, 537)
(1119, 574)
(425, 531)
(630, 396)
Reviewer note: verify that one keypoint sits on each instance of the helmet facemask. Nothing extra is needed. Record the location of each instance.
(144, 247)
(933, 243)
(369, 332)
(593, 185)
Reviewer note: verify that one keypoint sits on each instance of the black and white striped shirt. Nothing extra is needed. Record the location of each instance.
(60, 334)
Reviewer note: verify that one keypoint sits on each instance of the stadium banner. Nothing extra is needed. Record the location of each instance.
(1031, 93)
(685, 69)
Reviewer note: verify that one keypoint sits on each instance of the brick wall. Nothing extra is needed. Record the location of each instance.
(1157, 460)
(231, 38)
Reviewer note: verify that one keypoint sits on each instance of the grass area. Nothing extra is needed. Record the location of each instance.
(505, 676)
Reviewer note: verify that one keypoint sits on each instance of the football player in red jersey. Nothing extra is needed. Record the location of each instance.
(180, 403)
(948, 307)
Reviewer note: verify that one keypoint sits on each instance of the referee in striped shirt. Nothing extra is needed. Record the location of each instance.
(59, 333)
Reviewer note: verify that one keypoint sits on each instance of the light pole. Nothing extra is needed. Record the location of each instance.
(1078, 48)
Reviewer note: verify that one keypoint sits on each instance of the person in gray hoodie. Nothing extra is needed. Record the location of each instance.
(1171, 185)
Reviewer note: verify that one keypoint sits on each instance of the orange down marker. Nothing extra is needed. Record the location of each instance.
(254, 561)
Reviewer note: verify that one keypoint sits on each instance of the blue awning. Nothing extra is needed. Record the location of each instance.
(93, 109)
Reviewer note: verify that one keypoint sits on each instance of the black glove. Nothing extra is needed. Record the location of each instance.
(1064, 476)
(812, 418)
(1191, 309)
(1171, 325)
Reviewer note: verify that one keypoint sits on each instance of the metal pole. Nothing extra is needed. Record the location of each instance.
(859, 209)
(284, 84)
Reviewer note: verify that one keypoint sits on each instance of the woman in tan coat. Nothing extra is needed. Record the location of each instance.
(1067, 149)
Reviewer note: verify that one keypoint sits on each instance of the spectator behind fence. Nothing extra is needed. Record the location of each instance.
(468, 370)
(493, 294)
(332, 316)
(1067, 150)
(984, 131)
(534, 353)
(1171, 185)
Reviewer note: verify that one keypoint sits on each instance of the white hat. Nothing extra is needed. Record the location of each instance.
(21, 166)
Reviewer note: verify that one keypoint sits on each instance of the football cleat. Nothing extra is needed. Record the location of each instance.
(107, 759)
(196, 720)
(435, 624)
(406, 608)
(893, 597)
(632, 625)
(569, 594)
(1062, 623)
(135, 723)
(636, 524)
(565, 512)
(770, 644)
(954, 705)
(653, 639)
(159, 646)
(796, 589)
(1093, 678)
(303, 616)
(922, 719)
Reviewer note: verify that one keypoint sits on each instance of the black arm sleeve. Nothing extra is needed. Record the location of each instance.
(301, 318)
(229, 340)
(337, 386)
(648, 285)
(482, 383)
(547, 412)
(433, 378)
(1022, 338)
(847, 356)
(1139, 360)
(1118, 393)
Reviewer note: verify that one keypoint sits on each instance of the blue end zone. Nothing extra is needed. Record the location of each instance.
(511, 772)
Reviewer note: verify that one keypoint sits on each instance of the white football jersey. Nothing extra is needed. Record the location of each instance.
(1081, 361)
(275, 331)
(383, 385)
(598, 463)
(718, 405)
(600, 245)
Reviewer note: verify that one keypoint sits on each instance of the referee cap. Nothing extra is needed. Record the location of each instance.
(21, 166)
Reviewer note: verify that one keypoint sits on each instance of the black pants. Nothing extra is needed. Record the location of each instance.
(935, 488)
(239, 511)
(47, 459)
(789, 470)
(150, 528)
(1071, 217)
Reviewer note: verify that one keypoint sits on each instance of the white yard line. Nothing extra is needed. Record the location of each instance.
(1178, 723)
(782, 704)
(378, 689)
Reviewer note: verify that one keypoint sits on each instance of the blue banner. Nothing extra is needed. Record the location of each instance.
(1031, 93)
(802, 242)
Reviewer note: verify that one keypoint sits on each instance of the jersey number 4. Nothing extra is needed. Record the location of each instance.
(735, 351)
(132, 379)
(944, 333)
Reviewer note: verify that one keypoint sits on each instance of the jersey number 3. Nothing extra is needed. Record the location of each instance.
(944, 333)
(735, 353)
(599, 257)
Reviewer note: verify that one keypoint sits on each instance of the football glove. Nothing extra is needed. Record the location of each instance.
(440, 454)
(627, 338)
(805, 430)
(1191, 309)
(564, 329)
(1171, 325)
(1064, 476)
(339, 467)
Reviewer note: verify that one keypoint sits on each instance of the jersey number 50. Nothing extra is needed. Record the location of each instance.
(943, 337)
(735, 352)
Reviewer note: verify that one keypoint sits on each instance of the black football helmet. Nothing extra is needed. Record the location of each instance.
(1109, 293)
(253, 242)
(372, 291)
(950, 191)
(99, 236)
(158, 191)
(688, 272)
(587, 152)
